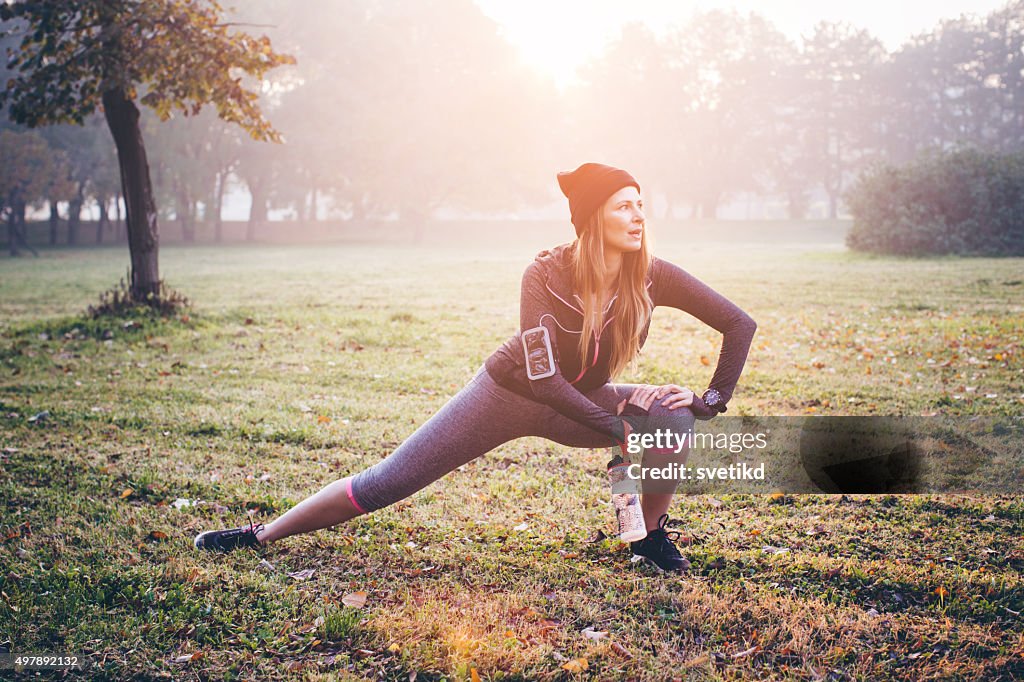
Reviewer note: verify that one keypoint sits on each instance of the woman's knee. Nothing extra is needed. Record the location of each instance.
(678, 414)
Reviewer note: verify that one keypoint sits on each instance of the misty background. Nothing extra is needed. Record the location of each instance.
(422, 112)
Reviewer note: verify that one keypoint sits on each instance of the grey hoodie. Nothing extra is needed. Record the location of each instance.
(548, 298)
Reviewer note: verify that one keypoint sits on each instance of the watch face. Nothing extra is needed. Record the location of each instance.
(712, 398)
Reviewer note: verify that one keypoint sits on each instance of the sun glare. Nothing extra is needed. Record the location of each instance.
(556, 37)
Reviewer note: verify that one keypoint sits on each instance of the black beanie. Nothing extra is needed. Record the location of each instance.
(589, 186)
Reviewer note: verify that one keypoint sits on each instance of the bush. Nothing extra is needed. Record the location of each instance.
(119, 302)
(964, 202)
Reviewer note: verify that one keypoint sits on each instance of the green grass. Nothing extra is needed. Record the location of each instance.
(299, 365)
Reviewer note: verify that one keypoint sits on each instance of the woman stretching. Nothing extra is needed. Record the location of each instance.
(584, 315)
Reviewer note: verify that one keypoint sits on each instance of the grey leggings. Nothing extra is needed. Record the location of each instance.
(479, 418)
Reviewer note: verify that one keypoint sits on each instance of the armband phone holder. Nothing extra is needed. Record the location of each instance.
(540, 360)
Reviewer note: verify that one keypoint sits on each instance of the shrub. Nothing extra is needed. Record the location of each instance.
(119, 302)
(966, 202)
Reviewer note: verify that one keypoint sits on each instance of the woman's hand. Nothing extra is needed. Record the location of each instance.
(642, 397)
(677, 396)
(637, 405)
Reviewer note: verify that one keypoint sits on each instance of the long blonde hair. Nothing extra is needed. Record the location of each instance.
(631, 309)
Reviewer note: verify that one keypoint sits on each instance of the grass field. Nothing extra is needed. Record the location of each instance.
(299, 365)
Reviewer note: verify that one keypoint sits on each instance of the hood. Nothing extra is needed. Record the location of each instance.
(559, 256)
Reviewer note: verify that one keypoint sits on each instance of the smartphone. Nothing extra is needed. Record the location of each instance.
(540, 360)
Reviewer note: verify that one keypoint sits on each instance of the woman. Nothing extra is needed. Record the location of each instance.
(584, 315)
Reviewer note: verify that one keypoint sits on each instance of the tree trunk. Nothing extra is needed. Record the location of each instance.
(359, 212)
(218, 205)
(258, 210)
(311, 212)
(121, 232)
(709, 208)
(54, 222)
(143, 239)
(796, 205)
(183, 207)
(12, 232)
(104, 219)
(75, 214)
(18, 227)
(418, 218)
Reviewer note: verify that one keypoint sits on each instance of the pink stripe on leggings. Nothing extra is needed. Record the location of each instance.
(351, 497)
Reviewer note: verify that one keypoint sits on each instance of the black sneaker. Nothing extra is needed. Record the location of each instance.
(658, 549)
(228, 540)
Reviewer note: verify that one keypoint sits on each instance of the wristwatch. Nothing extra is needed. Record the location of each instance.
(713, 399)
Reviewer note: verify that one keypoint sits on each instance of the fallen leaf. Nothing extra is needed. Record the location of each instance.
(305, 574)
(621, 650)
(703, 659)
(354, 599)
(704, 360)
(474, 676)
(127, 492)
(576, 665)
(394, 648)
(591, 633)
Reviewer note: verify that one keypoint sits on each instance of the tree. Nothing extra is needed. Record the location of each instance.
(76, 56)
(1005, 74)
(29, 170)
(89, 156)
(405, 106)
(838, 65)
(610, 113)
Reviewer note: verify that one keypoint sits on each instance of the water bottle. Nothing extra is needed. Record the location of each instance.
(628, 513)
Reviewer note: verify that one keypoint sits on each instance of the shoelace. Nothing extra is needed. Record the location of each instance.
(238, 535)
(258, 527)
(667, 536)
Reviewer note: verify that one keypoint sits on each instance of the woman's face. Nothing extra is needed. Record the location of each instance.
(623, 221)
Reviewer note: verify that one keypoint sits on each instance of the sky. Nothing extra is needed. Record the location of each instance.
(556, 36)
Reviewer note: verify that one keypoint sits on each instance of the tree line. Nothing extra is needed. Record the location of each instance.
(400, 108)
